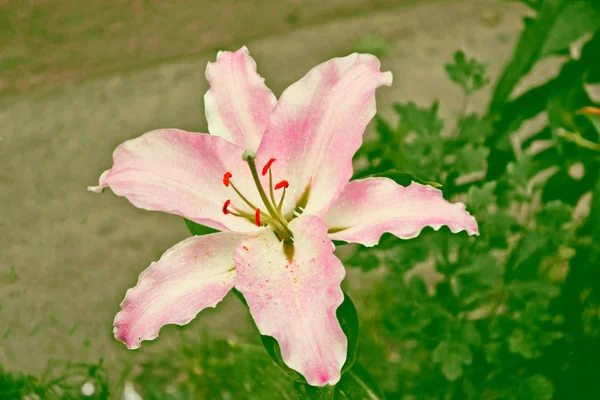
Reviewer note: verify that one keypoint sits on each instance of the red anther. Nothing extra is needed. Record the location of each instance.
(226, 178)
(257, 217)
(282, 184)
(225, 210)
(267, 166)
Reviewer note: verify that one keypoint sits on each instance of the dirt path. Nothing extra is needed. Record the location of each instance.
(47, 42)
(68, 256)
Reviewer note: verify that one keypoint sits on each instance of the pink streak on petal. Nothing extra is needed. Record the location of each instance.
(192, 275)
(181, 173)
(317, 126)
(238, 103)
(368, 208)
(295, 301)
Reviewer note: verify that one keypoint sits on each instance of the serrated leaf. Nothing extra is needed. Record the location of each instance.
(554, 215)
(520, 343)
(476, 129)
(471, 159)
(452, 357)
(470, 334)
(469, 74)
(372, 44)
(364, 259)
(480, 198)
(421, 120)
(537, 387)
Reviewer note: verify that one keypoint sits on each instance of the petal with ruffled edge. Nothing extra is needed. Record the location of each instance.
(317, 126)
(368, 208)
(181, 173)
(238, 103)
(295, 300)
(189, 277)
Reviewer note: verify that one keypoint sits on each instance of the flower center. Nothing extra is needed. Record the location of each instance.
(271, 214)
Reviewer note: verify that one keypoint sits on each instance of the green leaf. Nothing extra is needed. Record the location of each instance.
(470, 334)
(470, 74)
(554, 215)
(405, 178)
(575, 20)
(364, 259)
(452, 357)
(372, 44)
(421, 120)
(476, 129)
(485, 270)
(521, 343)
(197, 229)
(528, 50)
(537, 387)
(480, 198)
(358, 384)
(348, 318)
(346, 314)
(471, 159)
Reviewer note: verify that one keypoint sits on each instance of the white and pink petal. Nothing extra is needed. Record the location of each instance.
(238, 103)
(368, 208)
(189, 277)
(295, 300)
(317, 126)
(181, 173)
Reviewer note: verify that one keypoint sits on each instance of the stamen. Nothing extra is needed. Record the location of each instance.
(267, 166)
(225, 210)
(257, 217)
(281, 199)
(282, 184)
(226, 178)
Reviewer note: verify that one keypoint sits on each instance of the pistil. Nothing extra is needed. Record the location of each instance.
(249, 156)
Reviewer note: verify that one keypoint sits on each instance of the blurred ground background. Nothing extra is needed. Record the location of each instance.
(78, 78)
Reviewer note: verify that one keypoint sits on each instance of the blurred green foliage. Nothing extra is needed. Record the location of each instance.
(60, 380)
(513, 313)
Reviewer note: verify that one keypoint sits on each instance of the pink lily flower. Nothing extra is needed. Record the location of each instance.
(274, 178)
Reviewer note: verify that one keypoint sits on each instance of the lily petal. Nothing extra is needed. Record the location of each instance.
(189, 277)
(295, 300)
(238, 103)
(317, 126)
(367, 208)
(181, 173)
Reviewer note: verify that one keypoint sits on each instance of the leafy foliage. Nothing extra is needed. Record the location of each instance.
(60, 380)
(498, 316)
(470, 75)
